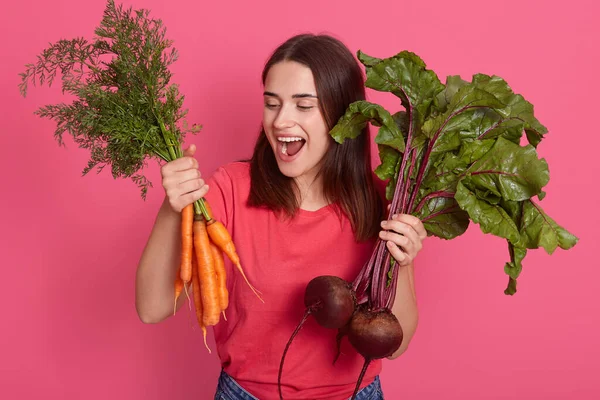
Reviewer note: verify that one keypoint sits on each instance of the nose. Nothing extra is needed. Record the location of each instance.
(284, 118)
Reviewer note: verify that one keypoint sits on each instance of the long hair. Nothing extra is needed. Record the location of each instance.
(346, 170)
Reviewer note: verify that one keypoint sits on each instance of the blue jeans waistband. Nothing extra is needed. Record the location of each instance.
(229, 389)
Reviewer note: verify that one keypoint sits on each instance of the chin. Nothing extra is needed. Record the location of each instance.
(289, 170)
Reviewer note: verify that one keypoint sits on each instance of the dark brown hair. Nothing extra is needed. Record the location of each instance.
(346, 170)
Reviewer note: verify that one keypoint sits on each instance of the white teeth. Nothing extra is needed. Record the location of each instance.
(289, 139)
(284, 148)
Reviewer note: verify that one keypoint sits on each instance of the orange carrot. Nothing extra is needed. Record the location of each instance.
(221, 278)
(207, 206)
(221, 237)
(187, 220)
(206, 273)
(178, 289)
(198, 300)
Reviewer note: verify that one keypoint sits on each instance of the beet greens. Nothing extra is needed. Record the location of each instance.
(452, 156)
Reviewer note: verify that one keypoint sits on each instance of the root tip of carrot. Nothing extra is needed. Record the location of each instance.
(256, 291)
(188, 297)
(258, 294)
(224, 316)
(205, 344)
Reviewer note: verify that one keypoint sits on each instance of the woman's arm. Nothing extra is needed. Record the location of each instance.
(405, 307)
(155, 276)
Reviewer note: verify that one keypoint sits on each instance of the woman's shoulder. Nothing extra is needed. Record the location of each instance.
(235, 171)
(229, 186)
(238, 168)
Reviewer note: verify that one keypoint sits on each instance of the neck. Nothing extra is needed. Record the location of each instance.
(311, 193)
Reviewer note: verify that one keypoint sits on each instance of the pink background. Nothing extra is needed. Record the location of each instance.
(70, 245)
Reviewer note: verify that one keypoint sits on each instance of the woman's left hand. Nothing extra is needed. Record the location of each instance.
(404, 235)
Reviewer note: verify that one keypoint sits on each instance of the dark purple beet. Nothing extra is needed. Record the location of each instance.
(374, 334)
(331, 301)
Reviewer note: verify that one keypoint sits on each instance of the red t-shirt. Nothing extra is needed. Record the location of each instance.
(279, 258)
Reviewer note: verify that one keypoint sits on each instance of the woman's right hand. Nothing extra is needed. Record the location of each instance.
(182, 180)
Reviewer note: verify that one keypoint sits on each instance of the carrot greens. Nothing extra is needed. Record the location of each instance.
(125, 109)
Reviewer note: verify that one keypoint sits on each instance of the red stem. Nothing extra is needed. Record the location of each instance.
(375, 297)
(360, 283)
(287, 346)
(375, 272)
(391, 290)
(425, 161)
(441, 193)
(382, 261)
(407, 183)
(360, 377)
(401, 183)
(444, 211)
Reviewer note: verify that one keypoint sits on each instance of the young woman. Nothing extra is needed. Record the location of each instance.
(303, 206)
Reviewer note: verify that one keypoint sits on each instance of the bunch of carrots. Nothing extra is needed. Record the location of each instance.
(126, 112)
(203, 242)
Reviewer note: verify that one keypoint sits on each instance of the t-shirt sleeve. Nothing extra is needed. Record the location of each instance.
(220, 196)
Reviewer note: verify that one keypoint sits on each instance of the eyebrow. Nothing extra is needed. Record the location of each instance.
(295, 96)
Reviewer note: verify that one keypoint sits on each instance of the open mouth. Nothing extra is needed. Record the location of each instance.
(288, 147)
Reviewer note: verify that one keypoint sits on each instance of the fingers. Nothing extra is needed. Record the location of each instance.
(404, 235)
(409, 243)
(189, 152)
(173, 180)
(413, 222)
(180, 177)
(180, 164)
(182, 180)
(400, 257)
(190, 186)
(399, 228)
(178, 203)
(410, 220)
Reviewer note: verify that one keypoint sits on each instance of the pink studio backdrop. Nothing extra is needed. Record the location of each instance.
(70, 244)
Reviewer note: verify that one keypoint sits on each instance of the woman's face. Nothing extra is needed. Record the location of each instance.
(293, 121)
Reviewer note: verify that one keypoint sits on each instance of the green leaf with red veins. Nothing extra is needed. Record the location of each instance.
(517, 116)
(358, 114)
(508, 170)
(453, 85)
(539, 230)
(442, 217)
(405, 76)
